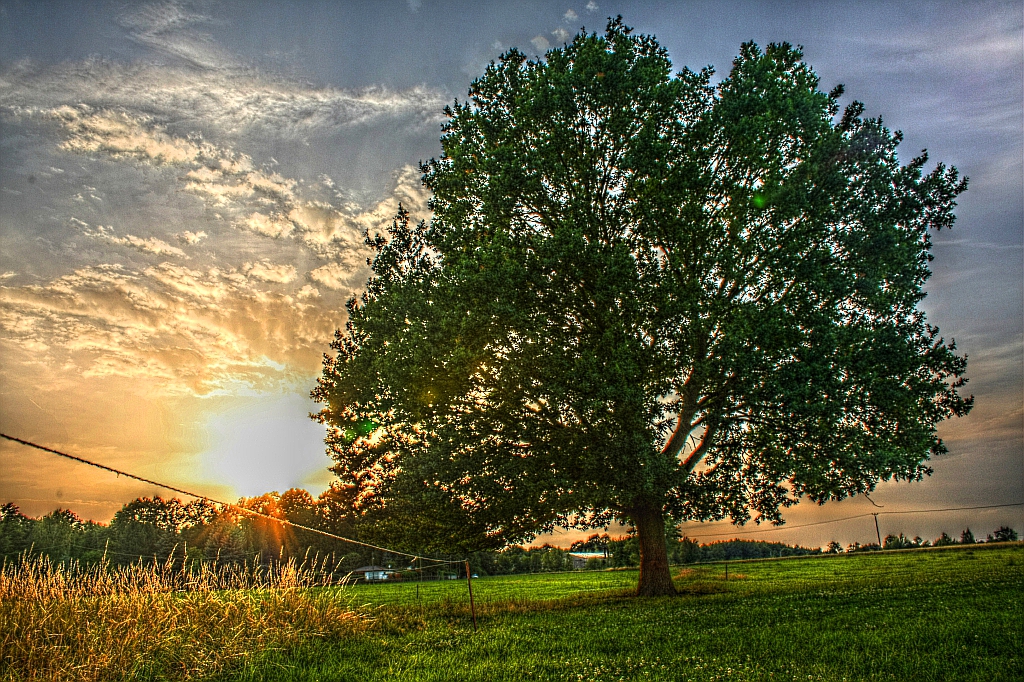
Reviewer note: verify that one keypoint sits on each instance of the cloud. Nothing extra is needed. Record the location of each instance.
(227, 101)
(269, 272)
(192, 238)
(256, 200)
(540, 43)
(224, 178)
(224, 320)
(332, 276)
(149, 245)
(561, 34)
(989, 42)
(169, 254)
(591, 6)
(121, 136)
(184, 329)
(570, 15)
(168, 28)
(273, 226)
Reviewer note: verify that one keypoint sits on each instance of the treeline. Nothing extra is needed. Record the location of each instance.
(160, 530)
(684, 550)
(155, 529)
(1001, 534)
(169, 530)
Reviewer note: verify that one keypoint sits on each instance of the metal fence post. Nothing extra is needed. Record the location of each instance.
(472, 605)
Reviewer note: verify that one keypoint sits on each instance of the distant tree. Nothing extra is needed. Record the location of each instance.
(594, 543)
(1005, 534)
(298, 506)
(685, 551)
(834, 548)
(648, 297)
(897, 542)
(624, 552)
(510, 560)
(92, 543)
(730, 550)
(415, 518)
(146, 528)
(54, 535)
(265, 536)
(336, 509)
(483, 563)
(15, 528)
(870, 547)
(943, 540)
(223, 540)
(967, 537)
(197, 512)
(555, 559)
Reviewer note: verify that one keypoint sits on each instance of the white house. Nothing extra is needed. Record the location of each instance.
(373, 573)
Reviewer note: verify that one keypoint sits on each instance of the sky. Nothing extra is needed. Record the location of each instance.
(184, 187)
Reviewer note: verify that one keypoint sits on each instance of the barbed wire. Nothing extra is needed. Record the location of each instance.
(229, 505)
(415, 557)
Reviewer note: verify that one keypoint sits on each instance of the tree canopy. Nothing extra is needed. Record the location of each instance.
(647, 296)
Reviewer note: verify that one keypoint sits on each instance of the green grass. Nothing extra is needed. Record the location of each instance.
(951, 614)
(520, 588)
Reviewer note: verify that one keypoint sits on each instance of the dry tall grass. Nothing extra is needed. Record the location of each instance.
(69, 622)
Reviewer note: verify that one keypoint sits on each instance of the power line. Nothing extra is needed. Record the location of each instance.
(928, 511)
(861, 516)
(284, 522)
(444, 561)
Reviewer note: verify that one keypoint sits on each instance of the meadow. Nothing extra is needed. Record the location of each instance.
(938, 614)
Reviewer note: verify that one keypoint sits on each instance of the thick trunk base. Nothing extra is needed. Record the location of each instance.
(655, 578)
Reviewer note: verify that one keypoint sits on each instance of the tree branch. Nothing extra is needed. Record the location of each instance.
(698, 452)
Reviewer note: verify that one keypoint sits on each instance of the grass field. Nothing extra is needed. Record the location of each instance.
(950, 614)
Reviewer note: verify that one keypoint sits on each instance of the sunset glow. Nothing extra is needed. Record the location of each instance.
(184, 190)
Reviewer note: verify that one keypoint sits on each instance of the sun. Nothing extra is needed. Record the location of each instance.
(270, 443)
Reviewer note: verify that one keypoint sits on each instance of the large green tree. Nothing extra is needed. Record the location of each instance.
(648, 297)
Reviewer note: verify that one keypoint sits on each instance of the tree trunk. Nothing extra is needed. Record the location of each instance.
(655, 579)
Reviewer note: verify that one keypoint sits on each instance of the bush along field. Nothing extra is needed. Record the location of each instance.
(952, 613)
(935, 614)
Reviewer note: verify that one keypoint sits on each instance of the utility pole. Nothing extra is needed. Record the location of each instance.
(878, 533)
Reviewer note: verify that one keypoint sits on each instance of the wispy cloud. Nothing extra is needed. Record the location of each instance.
(228, 101)
(170, 28)
(991, 41)
(206, 265)
(258, 200)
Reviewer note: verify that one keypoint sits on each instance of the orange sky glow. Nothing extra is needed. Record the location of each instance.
(183, 197)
